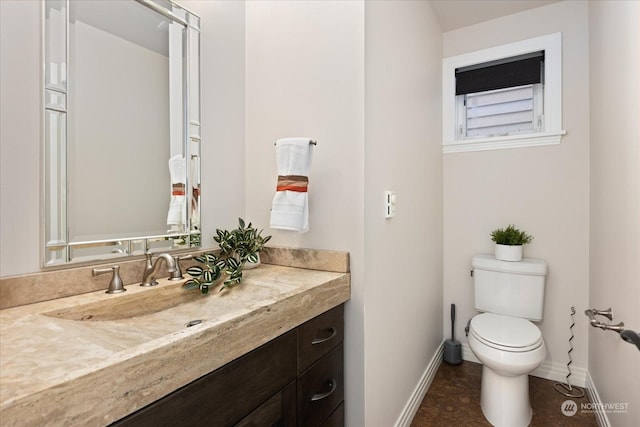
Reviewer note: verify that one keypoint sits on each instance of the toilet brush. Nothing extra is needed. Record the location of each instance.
(452, 348)
(567, 389)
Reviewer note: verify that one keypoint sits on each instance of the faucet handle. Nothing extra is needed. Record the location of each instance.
(177, 275)
(115, 285)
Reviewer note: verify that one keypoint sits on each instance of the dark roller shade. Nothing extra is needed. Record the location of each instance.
(500, 74)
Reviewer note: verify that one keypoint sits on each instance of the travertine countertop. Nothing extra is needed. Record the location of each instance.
(64, 371)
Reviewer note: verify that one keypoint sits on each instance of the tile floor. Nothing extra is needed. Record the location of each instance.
(454, 400)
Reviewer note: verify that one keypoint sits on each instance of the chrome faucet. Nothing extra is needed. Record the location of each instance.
(151, 268)
(115, 285)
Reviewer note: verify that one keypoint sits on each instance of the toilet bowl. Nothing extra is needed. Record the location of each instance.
(510, 295)
(509, 348)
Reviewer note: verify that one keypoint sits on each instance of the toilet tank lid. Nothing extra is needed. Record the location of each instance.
(525, 266)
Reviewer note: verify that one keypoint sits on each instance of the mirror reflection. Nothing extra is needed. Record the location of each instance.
(122, 139)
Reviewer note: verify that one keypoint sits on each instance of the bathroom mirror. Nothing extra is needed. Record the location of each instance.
(121, 155)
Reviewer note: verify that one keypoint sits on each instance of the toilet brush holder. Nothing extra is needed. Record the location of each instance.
(452, 349)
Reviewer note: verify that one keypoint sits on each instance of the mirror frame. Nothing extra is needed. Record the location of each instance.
(57, 249)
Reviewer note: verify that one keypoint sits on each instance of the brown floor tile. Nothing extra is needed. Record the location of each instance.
(454, 400)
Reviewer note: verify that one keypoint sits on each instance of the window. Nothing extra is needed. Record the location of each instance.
(503, 97)
(501, 112)
(500, 98)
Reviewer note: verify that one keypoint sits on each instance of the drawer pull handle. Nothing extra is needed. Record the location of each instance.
(332, 333)
(320, 396)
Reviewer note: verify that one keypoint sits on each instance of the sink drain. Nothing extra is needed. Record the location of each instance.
(193, 323)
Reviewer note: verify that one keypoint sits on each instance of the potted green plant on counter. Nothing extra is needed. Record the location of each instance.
(239, 250)
(209, 273)
(243, 243)
(509, 242)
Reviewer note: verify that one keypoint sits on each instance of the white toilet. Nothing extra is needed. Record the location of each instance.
(510, 295)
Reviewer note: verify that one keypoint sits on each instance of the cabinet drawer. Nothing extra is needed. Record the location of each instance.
(280, 410)
(318, 336)
(336, 419)
(321, 389)
(224, 396)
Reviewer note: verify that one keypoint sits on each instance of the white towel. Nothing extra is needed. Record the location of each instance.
(177, 206)
(195, 183)
(290, 209)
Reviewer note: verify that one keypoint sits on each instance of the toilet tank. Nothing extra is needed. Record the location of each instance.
(509, 288)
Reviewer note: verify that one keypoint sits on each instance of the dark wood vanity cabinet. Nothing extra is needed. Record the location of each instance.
(297, 379)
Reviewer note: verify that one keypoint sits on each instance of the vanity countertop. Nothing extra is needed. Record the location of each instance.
(60, 371)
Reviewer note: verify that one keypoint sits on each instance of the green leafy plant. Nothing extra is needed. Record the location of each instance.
(204, 275)
(510, 236)
(237, 247)
(243, 242)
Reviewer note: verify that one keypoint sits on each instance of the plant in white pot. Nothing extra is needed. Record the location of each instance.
(239, 250)
(509, 243)
(243, 243)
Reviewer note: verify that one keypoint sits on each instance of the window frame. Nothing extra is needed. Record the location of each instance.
(551, 133)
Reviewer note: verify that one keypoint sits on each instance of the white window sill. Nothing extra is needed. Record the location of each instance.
(503, 142)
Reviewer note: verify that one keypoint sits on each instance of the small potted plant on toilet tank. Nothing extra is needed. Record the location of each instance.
(509, 243)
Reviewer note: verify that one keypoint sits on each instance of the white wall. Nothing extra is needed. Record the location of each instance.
(305, 77)
(403, 255)
(222, 98)
(543, 190)
(377, 128)
(615, 200)
(20, 65)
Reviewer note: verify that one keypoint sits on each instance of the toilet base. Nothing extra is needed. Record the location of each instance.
(505, 400)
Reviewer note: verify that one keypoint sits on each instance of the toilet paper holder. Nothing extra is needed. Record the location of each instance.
(632, 337)
(593, 312)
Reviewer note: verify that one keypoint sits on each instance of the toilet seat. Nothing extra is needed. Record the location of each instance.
(506, 333)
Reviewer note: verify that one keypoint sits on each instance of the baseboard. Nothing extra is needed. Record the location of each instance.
(467, 354)
(594, 398)
(558, 372)
(548, 370)
(412, 406)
